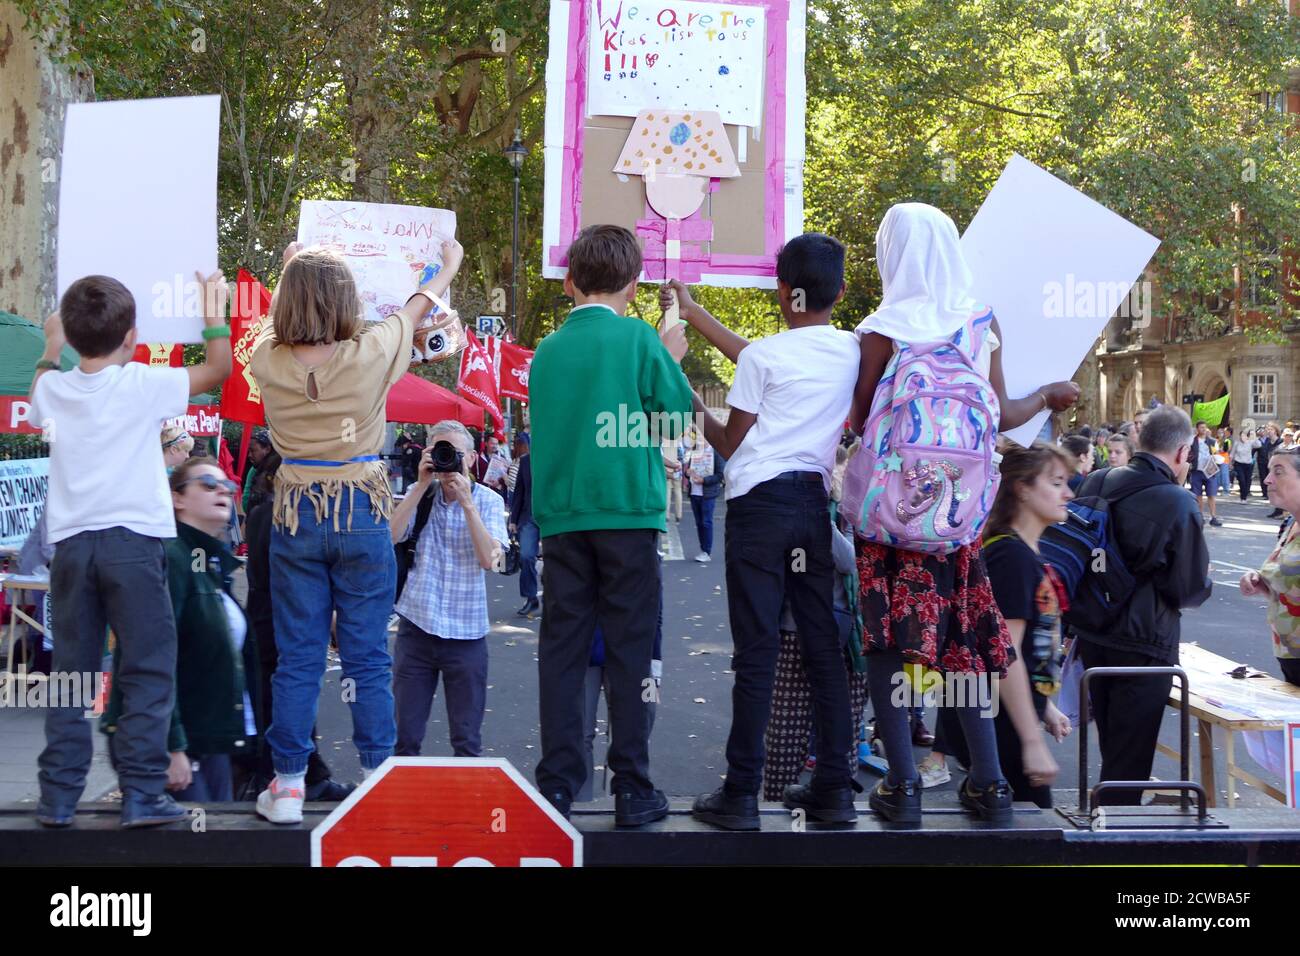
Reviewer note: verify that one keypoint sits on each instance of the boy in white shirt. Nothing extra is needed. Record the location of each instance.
(107, 510)
(789, 401)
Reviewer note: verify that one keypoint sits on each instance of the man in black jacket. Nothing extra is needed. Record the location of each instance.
(1158, 530)
(523, 526)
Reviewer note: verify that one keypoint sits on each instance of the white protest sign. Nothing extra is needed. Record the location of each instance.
(676, 55)
(138, 202)
(392, 249)
(23, 486)
(1055, 266)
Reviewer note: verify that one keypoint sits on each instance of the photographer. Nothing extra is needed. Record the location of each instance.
(458, 527)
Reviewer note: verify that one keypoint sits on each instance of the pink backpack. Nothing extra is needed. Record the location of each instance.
(924, 479)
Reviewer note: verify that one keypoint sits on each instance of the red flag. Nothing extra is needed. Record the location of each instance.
(515, 364)
(477, 381)
(159, 356)
(241, 399)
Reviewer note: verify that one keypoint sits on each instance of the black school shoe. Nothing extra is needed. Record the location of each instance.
(823, 806)
(993, 803)
(633, 811)
(150, 810)
(900, 804)
(730, 813)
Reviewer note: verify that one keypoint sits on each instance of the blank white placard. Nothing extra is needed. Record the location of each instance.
(138, 202)
(1052, 263)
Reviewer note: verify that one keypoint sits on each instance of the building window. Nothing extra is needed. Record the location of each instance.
(1263, 393)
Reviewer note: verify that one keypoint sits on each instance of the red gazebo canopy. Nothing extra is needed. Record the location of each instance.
(414, 400)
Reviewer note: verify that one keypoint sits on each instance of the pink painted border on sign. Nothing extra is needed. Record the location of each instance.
(774, 106)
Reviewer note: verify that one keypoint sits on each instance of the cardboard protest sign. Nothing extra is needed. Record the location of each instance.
(138, 202)
(1055, 266)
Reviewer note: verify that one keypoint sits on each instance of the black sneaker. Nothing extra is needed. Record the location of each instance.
(48, 816)
(730, 813)
(150, 810)
(992, 803)
(823, 806)
(329, 791)
(1216, 522)
(633, 811)
(900, 804)
(531, 606)
(561, 802)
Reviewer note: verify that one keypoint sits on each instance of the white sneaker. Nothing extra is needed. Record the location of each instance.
(280, 806)
(703, 558)
(933, 775)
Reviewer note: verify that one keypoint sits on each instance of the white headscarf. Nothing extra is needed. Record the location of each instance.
(925, 278)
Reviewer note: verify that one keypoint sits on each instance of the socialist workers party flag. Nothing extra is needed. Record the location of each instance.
(513, 365)
(241, 399)
(478, 381)
(159, 356)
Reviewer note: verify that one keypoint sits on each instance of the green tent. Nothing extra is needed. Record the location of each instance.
(1210, 412)
(21, 345)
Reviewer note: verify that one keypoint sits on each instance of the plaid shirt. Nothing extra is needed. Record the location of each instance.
(446, 590)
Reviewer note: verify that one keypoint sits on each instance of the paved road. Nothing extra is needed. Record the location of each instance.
(694, 715)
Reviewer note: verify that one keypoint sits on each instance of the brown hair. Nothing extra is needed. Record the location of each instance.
(604, 259)
(316, 301)
(1126, 441)
(182, 472)
(97, 313)
(1020, 466)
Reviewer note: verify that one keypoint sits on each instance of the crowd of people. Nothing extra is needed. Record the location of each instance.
(828, 609)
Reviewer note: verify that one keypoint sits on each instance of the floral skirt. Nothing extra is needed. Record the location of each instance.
(937, 609)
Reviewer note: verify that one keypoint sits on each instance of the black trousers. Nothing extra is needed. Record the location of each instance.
(1290, 669)
(613, 577)
(778, 546)
(116, 579)
(1128, 712)
(1244, 471)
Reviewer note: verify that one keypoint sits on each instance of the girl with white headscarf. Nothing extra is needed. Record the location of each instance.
(926, 610)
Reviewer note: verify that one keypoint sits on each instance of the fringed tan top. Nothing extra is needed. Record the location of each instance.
(325, 441)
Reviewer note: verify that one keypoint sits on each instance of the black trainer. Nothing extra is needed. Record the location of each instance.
(561, 802)
(823, 806)
(633, 811)
(900, 804)
(730, 813)
(150, 810)
(993, 803)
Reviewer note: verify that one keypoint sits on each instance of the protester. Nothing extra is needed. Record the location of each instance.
(788, 403)
(176, 446)
(318, 365)
(259, 446)
(1120, 450)
(490, 466)
(598, 500)
(1244, 452)
(1158, 531)
(524, 527)
(1080, 451)
(216, 663)
(1204, 467)
(704, 469)
(410, 452)
(672, 481)
(108, 523)
(933, 610)
(443, 607)
(1279, 577)
(1269, 442)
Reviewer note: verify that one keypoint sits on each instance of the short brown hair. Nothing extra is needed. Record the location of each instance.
(604, 259)
(97, 313)
(316, 301)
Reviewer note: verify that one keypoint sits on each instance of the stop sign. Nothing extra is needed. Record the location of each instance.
(444, 811)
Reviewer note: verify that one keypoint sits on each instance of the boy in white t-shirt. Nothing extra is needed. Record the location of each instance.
(789, 402)
(106, 513)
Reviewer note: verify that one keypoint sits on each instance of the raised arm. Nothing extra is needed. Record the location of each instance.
(217, 362)
(416, 308)
(727, 342)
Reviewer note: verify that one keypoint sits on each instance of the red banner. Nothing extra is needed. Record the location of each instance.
(201, 421)
(159, 356)
(241, 399)
(478, 381)
(514, 364)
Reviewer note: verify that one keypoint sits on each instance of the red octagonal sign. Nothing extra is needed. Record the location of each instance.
(443, 811)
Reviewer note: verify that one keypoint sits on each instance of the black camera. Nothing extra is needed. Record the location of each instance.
(446, 457)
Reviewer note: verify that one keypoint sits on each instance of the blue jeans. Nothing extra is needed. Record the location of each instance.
(314, 573)
(703, 510)
(529, 537)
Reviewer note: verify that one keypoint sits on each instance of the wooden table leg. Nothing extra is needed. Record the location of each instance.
(1206, 733)
(1230, 759)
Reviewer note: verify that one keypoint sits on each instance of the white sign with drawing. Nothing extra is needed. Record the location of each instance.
(1055, 266)
(681, 56)
(392, 249)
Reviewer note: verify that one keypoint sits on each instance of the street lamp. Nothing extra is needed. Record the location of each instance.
(516, 152)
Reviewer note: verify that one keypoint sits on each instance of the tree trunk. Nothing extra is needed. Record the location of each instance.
(36, 91)
(1088, 377)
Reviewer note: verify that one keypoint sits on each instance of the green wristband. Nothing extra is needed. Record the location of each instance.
(47, 364)
(216, 332)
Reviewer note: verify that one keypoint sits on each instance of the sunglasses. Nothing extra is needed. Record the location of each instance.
(211, 484)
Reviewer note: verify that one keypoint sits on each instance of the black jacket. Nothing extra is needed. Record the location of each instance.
(1265, 451)
(1159, 533)
(521, 501)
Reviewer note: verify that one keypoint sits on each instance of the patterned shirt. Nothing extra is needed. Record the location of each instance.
(446, 591)
(1282, 573)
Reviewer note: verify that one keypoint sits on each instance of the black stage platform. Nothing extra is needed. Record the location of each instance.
(235, 836)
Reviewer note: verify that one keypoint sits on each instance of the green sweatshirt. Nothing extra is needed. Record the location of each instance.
(603, 394)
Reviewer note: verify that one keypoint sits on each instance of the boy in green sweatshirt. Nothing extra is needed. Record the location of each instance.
(605, 389)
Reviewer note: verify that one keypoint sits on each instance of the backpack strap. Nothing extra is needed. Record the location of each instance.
(422, 511)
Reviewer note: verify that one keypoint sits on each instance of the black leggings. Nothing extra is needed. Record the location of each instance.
(1244, 470)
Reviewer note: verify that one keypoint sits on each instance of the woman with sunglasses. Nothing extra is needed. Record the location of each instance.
(213, 716)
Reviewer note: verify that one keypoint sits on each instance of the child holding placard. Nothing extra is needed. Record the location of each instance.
(325, 376)
(108, 511)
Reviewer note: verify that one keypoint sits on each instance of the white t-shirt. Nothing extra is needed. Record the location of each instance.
(106, 464)
(800, 385)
